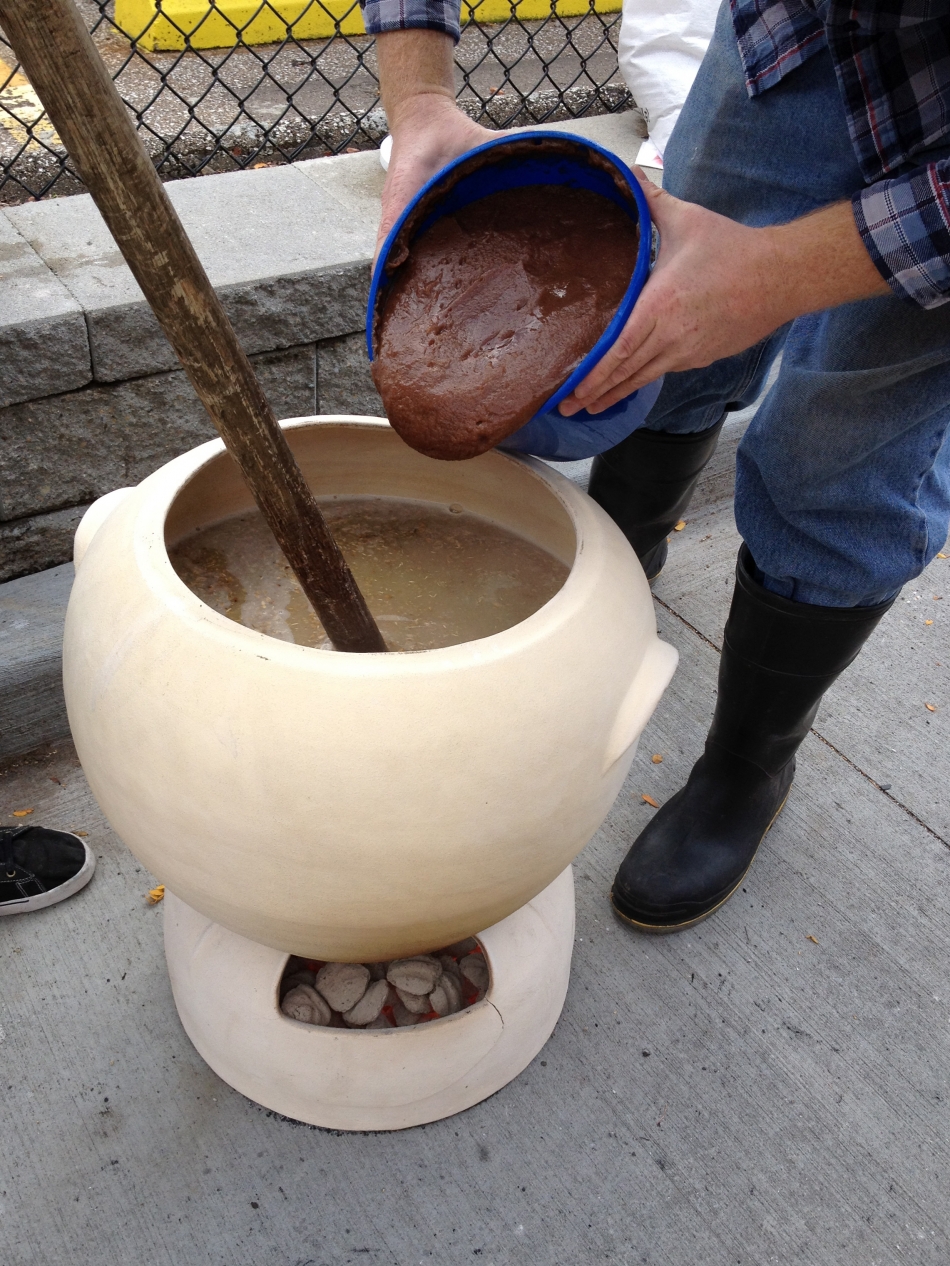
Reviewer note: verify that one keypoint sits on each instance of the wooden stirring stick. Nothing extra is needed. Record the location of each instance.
(60, 60)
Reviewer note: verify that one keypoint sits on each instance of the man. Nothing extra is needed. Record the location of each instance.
(806, 209)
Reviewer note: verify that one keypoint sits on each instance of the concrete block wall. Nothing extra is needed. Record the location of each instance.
(90, 394)
(91, 397)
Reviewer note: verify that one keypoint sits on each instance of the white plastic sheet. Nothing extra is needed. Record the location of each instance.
(662, 43)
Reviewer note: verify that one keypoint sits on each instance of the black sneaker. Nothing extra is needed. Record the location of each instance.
(39, 867)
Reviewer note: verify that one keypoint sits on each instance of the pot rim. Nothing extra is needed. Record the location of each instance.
(158, 492)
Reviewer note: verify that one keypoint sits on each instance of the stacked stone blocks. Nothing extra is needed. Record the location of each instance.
(91, 398)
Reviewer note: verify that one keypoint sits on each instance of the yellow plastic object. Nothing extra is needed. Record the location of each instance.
(170, 24)
(22, 114)
(528, 10)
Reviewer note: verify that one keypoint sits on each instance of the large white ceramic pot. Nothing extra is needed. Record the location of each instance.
(344, 806)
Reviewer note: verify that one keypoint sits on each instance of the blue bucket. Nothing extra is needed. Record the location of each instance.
(530, 158)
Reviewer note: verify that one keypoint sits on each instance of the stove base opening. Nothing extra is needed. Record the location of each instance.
(380, 1046)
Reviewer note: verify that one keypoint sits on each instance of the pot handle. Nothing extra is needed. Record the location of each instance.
(653, 677)
(93, 519)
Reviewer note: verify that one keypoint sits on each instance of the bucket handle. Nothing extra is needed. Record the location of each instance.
(93, 519)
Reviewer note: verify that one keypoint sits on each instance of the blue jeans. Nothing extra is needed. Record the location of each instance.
(843, 477)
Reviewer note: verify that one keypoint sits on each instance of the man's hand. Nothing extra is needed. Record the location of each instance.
(417, 85)
(719, 287)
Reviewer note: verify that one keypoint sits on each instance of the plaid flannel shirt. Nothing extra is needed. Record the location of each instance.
(892, 60)
(398, 15)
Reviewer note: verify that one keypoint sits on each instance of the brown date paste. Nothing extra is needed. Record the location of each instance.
(495, 305)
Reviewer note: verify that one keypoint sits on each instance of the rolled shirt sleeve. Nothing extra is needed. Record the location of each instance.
(905, 224)
(402, 15)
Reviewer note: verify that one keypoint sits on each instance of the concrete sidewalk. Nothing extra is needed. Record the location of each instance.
(771, 1087)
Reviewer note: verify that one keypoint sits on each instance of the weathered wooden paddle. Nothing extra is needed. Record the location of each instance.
(60, 60)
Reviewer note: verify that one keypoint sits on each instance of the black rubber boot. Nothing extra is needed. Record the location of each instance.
(645, 484)
(778, 659)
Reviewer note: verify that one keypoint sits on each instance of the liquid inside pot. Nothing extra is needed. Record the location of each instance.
(432, 575)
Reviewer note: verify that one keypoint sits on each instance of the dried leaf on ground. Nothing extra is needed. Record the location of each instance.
(23, 813)
(657, 758)
(930, 707)
(649, 800)
(812, 939)
(155, 895)
(678, 527)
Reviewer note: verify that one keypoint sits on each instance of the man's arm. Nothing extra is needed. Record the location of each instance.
(417, 85)
(719, 287)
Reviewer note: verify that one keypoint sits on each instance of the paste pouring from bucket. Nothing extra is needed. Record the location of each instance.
(501, 285)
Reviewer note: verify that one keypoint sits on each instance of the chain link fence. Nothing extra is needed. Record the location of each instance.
(218, 85)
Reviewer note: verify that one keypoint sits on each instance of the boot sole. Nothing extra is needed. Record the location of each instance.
(664, 929)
